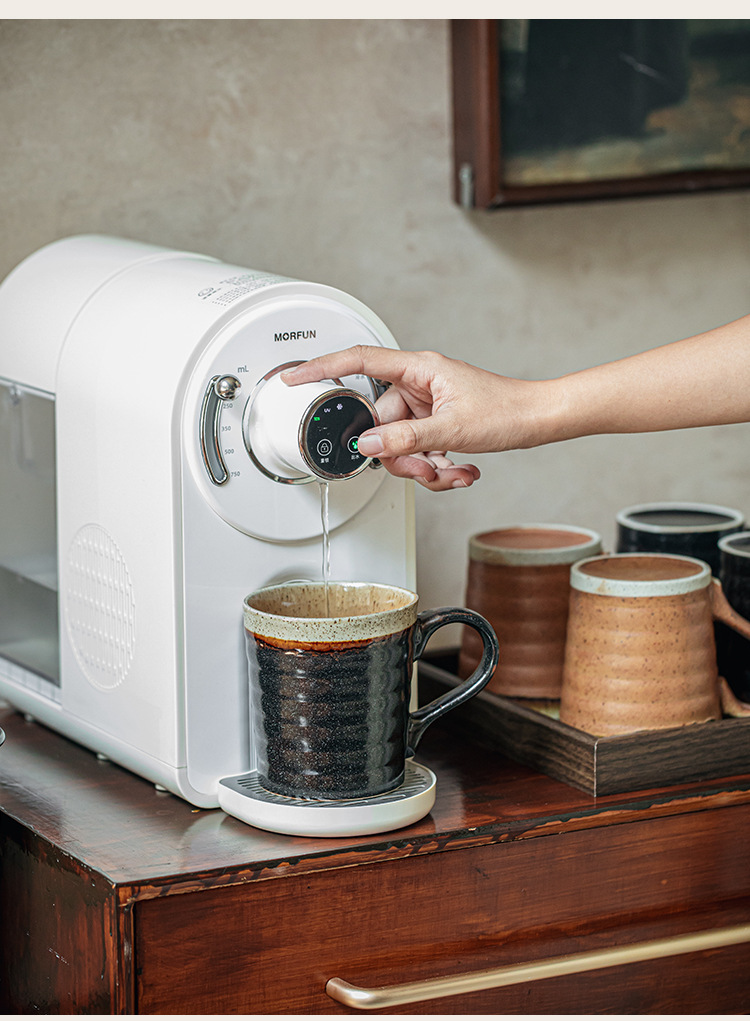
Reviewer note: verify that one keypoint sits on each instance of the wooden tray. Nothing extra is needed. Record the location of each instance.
(597, 765)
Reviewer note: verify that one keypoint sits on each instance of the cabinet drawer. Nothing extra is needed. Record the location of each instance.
(270, 946)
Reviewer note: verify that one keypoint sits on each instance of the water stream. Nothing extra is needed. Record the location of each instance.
(326, 542)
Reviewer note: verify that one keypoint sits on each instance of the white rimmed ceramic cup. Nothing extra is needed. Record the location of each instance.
(330, 678)
(519, 580)
(640, 651)
(682, 527)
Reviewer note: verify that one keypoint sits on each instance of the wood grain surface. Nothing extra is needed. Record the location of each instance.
(118, 898)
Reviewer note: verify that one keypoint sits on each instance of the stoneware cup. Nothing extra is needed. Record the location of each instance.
(686, 529)
(519, 580)
(330, 684)
(640, 651)
(733, 650)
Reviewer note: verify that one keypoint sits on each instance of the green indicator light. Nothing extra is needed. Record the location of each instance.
(316, 418)
(354, 445)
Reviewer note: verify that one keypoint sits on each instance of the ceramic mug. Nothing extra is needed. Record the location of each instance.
(640, 652)
(330, 671)
(686, 529)
(732, 649)
(519, 580)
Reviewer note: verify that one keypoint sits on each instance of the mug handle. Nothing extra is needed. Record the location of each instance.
(723, 611)
(426, 624)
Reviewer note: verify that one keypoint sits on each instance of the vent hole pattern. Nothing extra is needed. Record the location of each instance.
(100, 607)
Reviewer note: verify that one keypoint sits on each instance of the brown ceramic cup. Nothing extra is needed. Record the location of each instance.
(640, 651)
(519, 580)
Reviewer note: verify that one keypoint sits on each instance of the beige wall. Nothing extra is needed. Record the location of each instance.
(322, 149)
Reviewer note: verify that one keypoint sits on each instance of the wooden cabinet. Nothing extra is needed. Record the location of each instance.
(117, 898)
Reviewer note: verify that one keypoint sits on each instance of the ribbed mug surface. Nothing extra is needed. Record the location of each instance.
(640, 652)
(518, 579)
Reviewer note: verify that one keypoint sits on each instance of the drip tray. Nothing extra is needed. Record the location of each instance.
(244, 798)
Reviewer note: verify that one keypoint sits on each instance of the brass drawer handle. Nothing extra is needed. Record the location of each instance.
(494, 978)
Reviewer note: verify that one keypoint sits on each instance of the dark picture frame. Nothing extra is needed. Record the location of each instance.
(638, 120)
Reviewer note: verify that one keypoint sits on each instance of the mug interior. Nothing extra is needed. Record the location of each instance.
(519, 545)
(673, 517)
(309, 600)
(639, 574)
(533, 538)
(640, 568)
(737, 544)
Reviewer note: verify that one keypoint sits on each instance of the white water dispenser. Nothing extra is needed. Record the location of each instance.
(150, 480)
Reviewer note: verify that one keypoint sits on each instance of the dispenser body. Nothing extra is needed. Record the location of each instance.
(135, 512)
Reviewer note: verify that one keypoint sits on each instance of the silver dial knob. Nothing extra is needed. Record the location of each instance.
(226, 387)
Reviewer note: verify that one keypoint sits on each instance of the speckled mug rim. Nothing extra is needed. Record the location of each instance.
(513, 556)
(355, 627)
(622, 587)
(736, 519)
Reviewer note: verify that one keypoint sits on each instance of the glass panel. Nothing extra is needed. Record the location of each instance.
(28, 540)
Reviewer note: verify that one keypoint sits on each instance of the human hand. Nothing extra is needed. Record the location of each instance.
(435, 404)
(438, 404)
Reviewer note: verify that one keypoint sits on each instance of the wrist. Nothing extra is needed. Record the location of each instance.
(543, 413)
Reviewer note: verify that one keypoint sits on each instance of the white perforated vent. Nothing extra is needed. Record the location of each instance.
(100, 607)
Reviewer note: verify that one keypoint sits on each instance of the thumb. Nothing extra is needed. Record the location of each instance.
(395, 439)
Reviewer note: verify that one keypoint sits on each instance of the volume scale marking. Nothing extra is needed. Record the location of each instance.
(219, 390)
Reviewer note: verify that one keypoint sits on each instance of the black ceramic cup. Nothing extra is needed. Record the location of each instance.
(330, 691)
(732, 650)
(682, 529)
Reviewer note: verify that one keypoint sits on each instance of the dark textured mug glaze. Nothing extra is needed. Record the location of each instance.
(330, 694)
(681, 529)
(733, 650)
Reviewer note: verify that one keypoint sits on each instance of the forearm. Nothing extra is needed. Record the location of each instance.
(703, 380)
(439, 404)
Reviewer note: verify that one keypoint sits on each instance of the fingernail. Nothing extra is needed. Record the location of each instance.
(370, 445)
(459, 484)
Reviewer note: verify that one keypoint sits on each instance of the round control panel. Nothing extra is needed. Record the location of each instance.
(300, 433)
(329, 434)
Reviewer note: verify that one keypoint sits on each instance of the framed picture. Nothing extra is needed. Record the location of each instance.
(552, 110)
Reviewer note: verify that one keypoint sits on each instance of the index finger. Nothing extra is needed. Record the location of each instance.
(381, 362)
